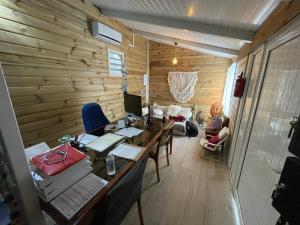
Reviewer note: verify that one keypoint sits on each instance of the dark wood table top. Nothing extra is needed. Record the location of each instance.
(146, 139)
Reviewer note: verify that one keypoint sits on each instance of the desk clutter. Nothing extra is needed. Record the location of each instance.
(68, 176)
(53, 171)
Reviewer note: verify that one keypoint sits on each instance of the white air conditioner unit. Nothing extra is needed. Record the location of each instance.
(106, 33)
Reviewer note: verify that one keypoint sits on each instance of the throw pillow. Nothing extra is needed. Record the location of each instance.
(158, 112)
(178, 118)
(214, 140)
(173, 110)
(223, 132)
(216, 123)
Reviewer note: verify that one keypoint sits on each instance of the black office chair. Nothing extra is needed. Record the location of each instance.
(119, 200)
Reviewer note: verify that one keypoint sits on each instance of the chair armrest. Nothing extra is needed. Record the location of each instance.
(208, 136)
(218, 145)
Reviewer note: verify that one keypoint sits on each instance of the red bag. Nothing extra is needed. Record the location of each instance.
(51, 163)
(239, 86)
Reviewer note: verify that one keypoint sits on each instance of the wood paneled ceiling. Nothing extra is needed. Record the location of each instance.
(223, 24)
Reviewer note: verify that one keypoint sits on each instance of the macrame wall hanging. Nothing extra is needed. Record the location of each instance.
(182, 85)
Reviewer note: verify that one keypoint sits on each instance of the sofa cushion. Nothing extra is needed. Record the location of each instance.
(216, 123)
(223, 132)
(158, 112)
(173, 110)
(186, 113)
(179, 128)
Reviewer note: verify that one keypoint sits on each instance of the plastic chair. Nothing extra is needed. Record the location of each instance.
(223, 136)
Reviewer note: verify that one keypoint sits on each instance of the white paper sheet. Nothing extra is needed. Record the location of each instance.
(129, 132)
(104, 142)
(85, 138)
(127, 151)
(121, 124)
(36, 150)
(74, 198)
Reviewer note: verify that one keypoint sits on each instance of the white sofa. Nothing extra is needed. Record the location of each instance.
(173, 111)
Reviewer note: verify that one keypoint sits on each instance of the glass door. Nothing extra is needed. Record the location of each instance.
(278, 103)
(241, 132)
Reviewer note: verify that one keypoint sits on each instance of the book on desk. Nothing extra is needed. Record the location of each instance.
(51, 179)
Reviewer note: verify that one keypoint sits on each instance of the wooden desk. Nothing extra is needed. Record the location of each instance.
(86, 215)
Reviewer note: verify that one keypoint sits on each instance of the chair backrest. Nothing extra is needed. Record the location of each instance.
(225, 122)
(93, 117)
(224, 133)
(166, 135)
(119, 200)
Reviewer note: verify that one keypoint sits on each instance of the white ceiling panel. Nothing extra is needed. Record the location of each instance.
(185, 35)
(242, 14)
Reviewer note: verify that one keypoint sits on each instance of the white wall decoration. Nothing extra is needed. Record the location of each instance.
(182, 85)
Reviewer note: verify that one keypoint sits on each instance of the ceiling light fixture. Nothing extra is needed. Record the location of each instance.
(175, 59)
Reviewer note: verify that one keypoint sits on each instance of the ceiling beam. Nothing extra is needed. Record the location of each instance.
(181, 24)
(190, 43)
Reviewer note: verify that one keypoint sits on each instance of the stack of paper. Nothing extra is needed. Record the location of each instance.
(127, 151)
(74, 198)
(36, 150)
(104, 142)
(48, 187)
(129, 132)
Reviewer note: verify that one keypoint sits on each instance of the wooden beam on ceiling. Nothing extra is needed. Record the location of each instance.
(181, 24)
(190, 43)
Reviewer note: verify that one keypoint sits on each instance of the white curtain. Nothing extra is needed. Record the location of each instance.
(182, 85)
(228, 88)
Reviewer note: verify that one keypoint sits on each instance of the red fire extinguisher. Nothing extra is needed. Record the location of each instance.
(239, 86)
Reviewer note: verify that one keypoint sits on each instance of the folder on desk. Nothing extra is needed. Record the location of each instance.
(104, 142)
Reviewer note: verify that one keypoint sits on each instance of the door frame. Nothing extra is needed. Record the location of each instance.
(281, 37)
(239, 116)
(284, 35)
(14, 151)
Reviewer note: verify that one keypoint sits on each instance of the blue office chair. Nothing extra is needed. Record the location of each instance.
(94, 119)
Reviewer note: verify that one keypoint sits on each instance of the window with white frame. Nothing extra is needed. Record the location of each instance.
(115, 63)
(228, 89)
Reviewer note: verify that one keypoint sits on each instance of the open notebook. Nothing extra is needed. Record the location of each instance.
(128, 151)
(102, 143)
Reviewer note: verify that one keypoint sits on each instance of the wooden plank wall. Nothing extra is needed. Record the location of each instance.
(211, 78)
(53, 66)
